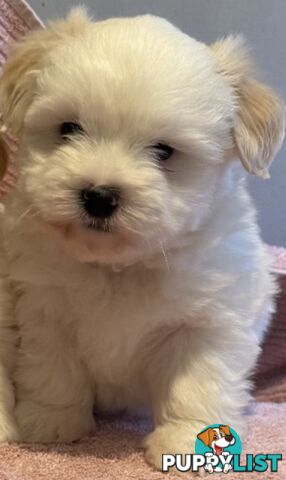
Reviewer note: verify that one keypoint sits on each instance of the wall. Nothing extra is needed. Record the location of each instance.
(263, 24)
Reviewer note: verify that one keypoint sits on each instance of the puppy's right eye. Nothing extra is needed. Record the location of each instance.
(163, 151)
(68, 129)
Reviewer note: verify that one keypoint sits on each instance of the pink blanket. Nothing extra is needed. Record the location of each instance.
(270, 377)
(16, 19)
(114, 451)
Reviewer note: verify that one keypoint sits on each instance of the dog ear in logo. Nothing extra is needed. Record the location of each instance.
(204, 436)
(225, 429)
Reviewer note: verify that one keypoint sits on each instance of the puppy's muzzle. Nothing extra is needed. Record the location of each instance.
(100, 202)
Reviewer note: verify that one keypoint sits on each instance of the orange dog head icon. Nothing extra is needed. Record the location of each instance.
(217, 438)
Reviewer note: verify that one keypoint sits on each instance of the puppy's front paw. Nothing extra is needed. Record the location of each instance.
(53, 425)
(168, 439)
(8, 430)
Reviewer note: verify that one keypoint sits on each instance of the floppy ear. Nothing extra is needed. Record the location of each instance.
(27, 57)
(204, 436)
(225, 429)
(259, 122)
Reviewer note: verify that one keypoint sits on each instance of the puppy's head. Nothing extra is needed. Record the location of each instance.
(127, 127)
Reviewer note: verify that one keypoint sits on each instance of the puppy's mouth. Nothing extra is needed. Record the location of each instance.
(218, 450)
(97, 224)
(87, 226)
(99, 227)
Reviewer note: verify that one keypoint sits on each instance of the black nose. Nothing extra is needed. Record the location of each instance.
(229, 438)
(100, 202)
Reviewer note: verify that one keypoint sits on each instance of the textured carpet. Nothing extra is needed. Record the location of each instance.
(114, 452)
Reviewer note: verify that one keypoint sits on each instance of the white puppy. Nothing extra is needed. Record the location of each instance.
(131, 262)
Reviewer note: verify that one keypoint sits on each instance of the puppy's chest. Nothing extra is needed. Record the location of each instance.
(115, 315)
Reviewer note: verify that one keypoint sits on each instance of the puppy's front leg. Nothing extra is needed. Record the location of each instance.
(53, 390)
(197, 377)
(54, 401)
(8, 340)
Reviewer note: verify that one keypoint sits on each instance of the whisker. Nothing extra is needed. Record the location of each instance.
(165, 256)
(24, 214)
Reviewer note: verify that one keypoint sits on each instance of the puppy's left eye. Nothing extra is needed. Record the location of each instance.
(68, 129)
(162, 151)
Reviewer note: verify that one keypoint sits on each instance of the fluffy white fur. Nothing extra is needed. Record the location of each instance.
(165, 309)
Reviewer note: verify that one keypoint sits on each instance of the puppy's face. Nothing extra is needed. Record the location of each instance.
(127, 130)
